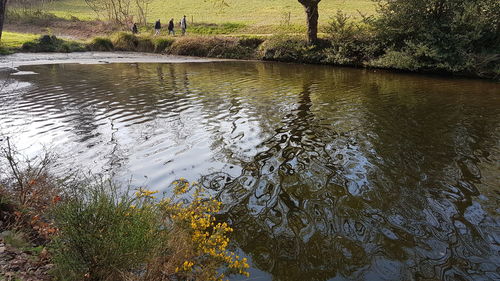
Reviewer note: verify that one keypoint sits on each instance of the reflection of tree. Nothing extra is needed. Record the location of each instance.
(287, 191)
(337, 171)
(300, 220)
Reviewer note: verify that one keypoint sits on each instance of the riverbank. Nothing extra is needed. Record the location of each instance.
(146, 48)
(20, 59)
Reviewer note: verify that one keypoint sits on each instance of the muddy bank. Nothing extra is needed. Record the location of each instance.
(19, 59)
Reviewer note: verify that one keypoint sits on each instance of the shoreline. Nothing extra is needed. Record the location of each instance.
(15, 60)
(21, 59)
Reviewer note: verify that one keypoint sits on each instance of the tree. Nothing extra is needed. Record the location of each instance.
(117, 11)
(311, 7)
(3, 8)
(142, 10)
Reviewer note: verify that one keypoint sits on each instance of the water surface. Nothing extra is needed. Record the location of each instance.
(326, 173)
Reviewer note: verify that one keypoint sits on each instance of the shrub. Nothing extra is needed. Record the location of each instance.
(291, 49)
(50, 43)
(103, 233)
(250, 42)
(197, 248)
(101, 44)
(218, 47)
(144, 44)
(124, 41)
(71, 46)
(45, 43)
(28, 16)
(396, 60)
(107, 235)
(162, 44)
(351, 43)
(444, 34)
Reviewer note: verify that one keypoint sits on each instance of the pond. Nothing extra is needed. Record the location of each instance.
(326, 173)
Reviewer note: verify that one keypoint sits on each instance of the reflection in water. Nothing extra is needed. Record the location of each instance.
(325, 173)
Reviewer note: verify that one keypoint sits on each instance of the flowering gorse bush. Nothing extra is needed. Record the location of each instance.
(205, 241)
(108, 235)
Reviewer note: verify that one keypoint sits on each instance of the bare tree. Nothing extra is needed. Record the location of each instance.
(142, 10)
(311, 7)
(117, 11)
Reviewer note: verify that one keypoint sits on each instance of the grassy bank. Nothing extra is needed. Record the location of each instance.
(357, 49)
(406, 36)
(13, 41)
(76, 228)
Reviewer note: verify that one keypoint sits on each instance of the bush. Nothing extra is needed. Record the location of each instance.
(101, 44)
(250, 42)
(71, 46)
(107, 235)
(351, 43)
(162, 44)
(218, 47)
(439, 35)
(124, 41)
(103, 234)
(144, 44)
(50, 43)
(396, 60)
(291, 49)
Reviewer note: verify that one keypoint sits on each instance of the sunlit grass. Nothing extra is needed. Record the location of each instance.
(16, 40)
(249, 12)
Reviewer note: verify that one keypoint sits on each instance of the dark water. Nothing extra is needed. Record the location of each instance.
(326, 173)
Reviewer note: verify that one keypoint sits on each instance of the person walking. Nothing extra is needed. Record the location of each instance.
(171, 27)
(157, 27)
(134, 29)
(183, 25)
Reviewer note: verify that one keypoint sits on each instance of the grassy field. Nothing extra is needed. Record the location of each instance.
(249, 12)
(16, 40)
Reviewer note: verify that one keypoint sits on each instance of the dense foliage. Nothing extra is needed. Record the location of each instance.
(449, 35)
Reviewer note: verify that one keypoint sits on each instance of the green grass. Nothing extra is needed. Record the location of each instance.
(13, 40)
(249, 12)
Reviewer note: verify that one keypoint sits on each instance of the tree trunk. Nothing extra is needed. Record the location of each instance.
(3, 10)
(311, 7)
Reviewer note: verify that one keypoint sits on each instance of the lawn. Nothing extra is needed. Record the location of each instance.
(249, 12)
(14, 40)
